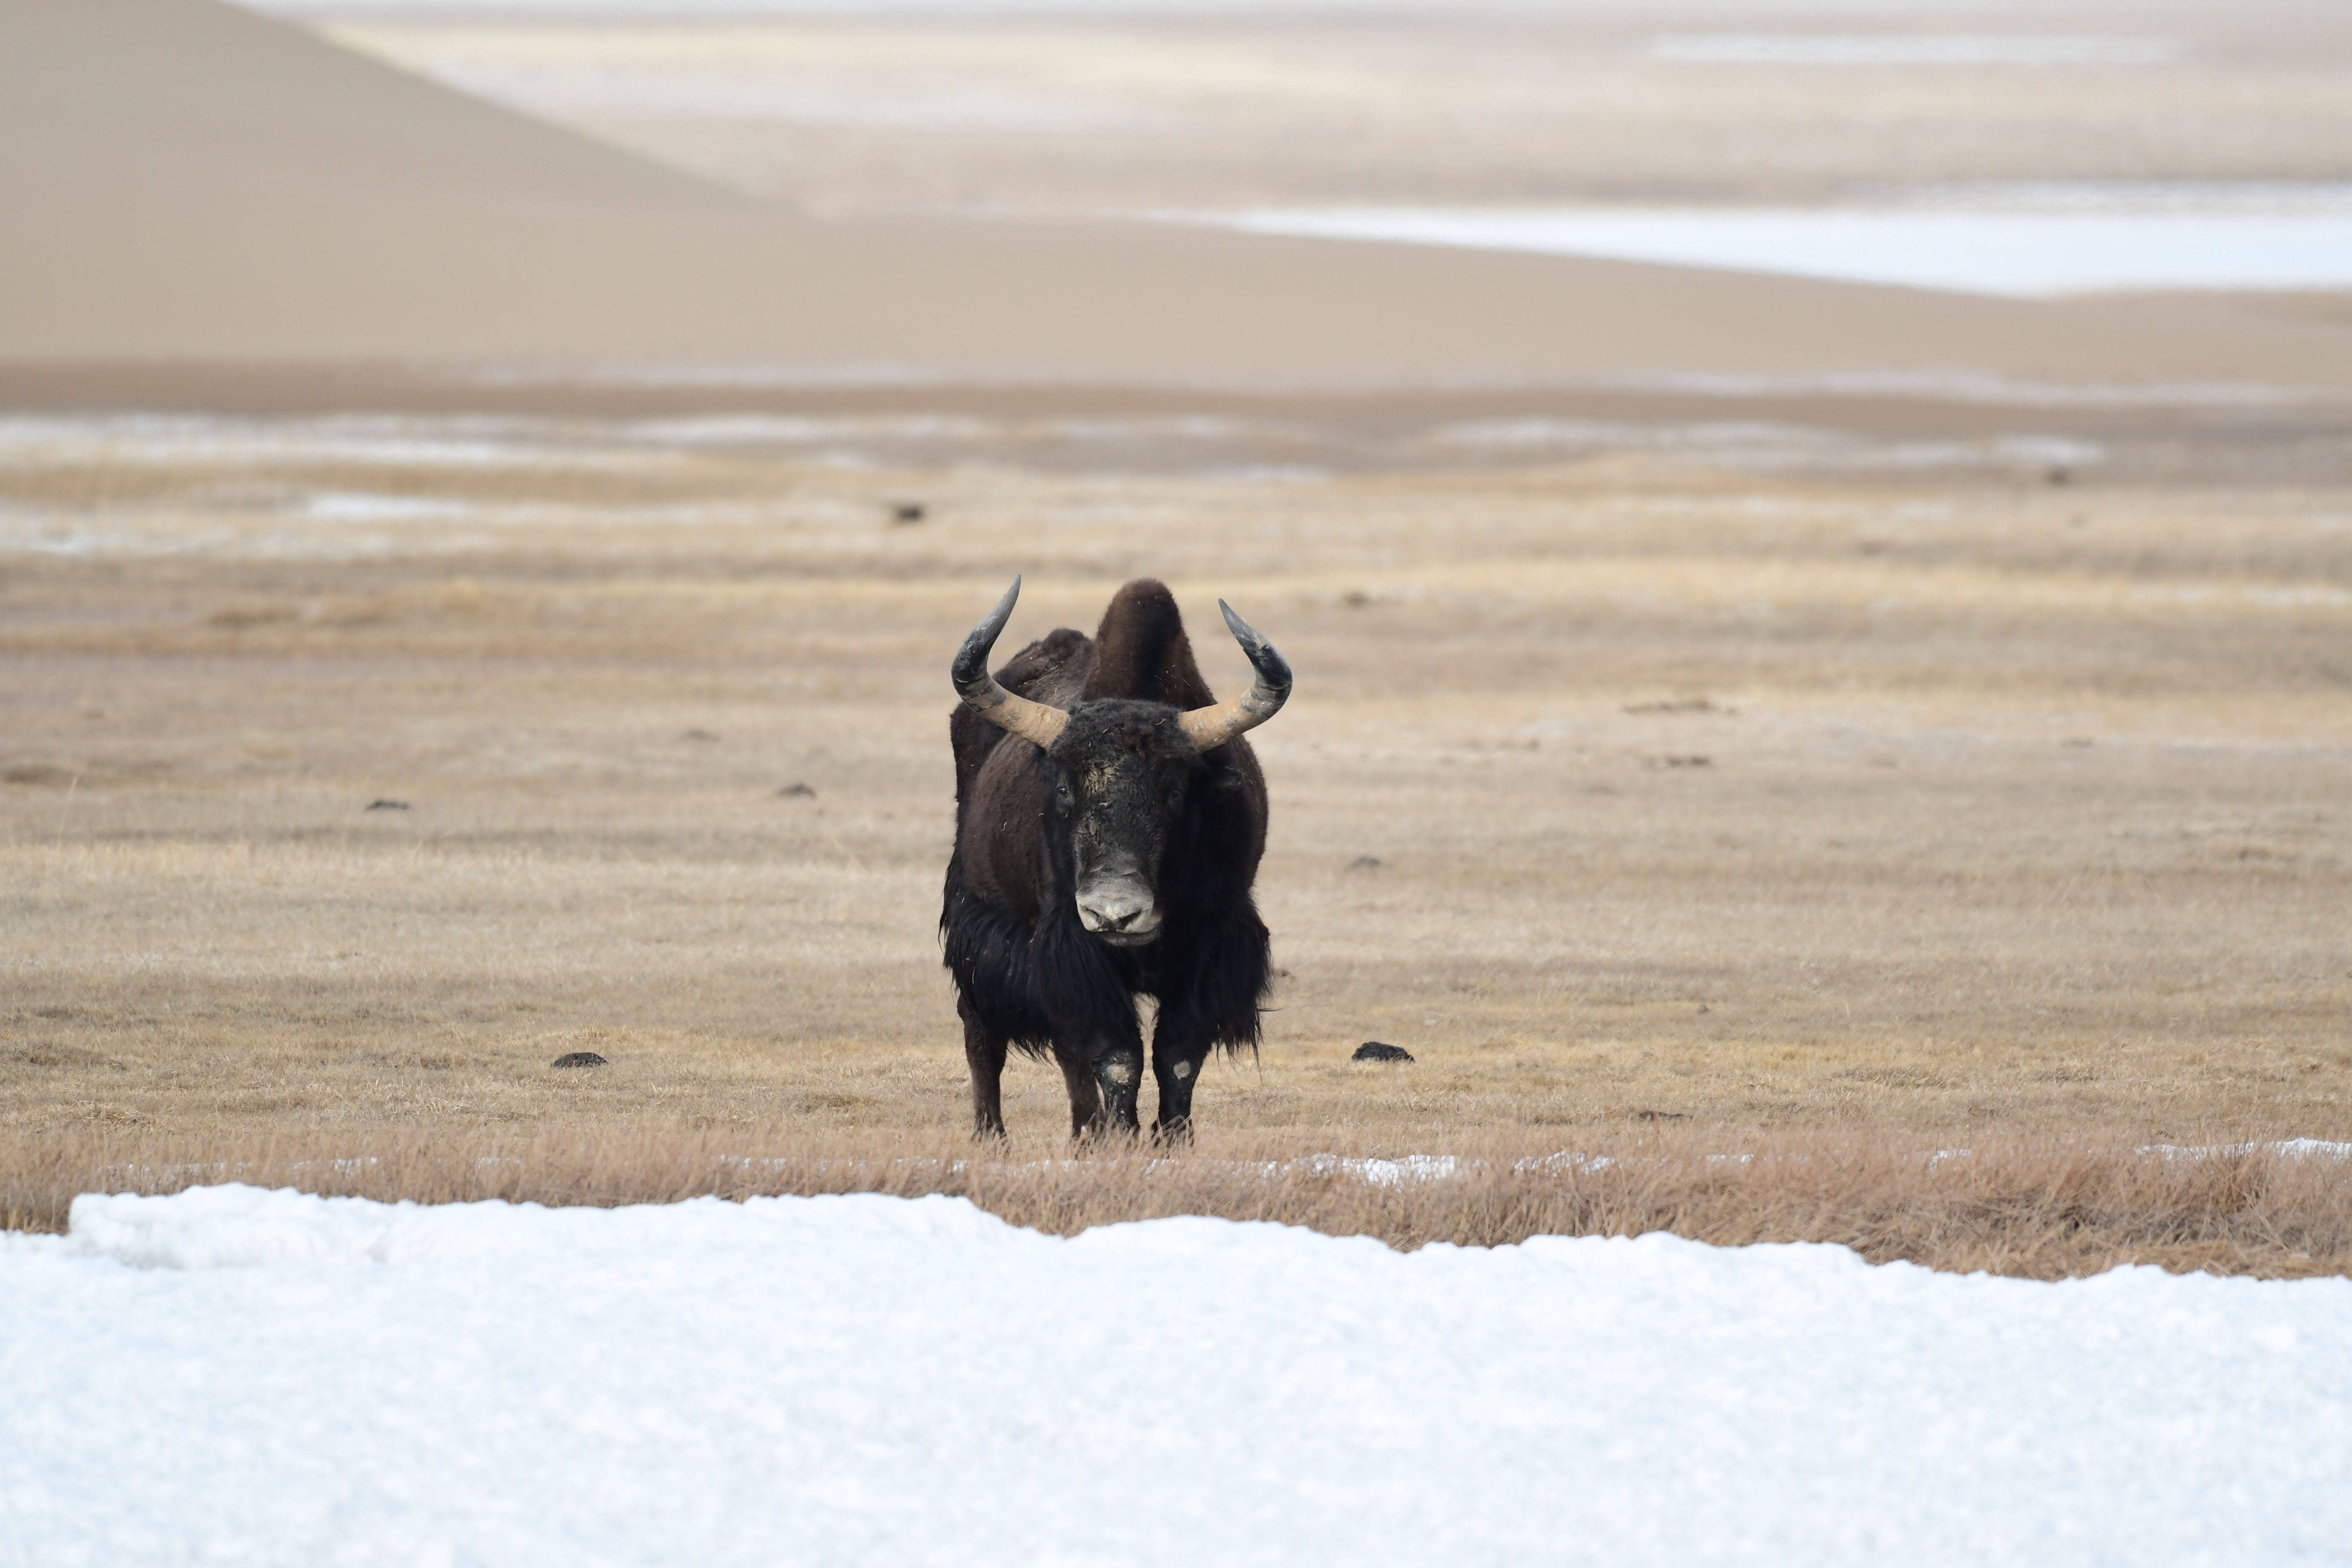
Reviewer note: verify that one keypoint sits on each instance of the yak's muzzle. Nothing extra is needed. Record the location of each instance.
(1124, 914)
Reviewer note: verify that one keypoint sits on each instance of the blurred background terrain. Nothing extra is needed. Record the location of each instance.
(1085, 108)
(486, 497)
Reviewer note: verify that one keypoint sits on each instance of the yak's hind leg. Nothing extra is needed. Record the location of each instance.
(1086, 1095)
(984, 1052)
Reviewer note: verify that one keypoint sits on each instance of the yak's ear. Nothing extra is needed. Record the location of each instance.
(1221, 778)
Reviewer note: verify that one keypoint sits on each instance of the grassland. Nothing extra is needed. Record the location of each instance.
(1638, 795)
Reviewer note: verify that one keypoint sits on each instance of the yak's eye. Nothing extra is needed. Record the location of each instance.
(1062, 790)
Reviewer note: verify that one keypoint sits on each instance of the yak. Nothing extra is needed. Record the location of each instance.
(1110, 820)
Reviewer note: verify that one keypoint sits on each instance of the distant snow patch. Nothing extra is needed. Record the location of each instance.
(361, 506)
(1898, 49)
(2027, 242)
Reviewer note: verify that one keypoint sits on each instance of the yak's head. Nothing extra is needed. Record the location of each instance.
(1123, 770)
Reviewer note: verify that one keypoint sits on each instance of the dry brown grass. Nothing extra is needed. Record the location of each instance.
(2029, 1208)
(2021, 817)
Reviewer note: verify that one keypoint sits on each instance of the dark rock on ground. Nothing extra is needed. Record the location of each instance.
(581, 1059)
(1378, 1051)
(388, 805)
(792, 789)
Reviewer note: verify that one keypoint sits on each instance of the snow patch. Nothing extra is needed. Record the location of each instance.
(232, 1374)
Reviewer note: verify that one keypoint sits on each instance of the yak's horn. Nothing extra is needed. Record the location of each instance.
(1209, 728)
(1030, 720)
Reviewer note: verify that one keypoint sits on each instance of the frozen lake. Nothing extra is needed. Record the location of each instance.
(2041, 244)
(237, 1375)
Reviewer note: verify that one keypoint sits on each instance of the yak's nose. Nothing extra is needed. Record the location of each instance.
(1117, 914)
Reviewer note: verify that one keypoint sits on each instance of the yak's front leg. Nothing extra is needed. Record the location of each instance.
(1179, 1044)
(1103, 1075)
(1120, 1073)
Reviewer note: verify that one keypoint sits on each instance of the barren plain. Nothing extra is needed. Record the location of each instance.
(355, 769)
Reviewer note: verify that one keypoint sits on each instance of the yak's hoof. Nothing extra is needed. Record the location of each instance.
(1173, 1134)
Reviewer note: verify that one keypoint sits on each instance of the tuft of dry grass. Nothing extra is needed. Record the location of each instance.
(2027, 1207)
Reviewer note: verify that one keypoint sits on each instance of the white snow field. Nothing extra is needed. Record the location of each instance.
(231, 1375)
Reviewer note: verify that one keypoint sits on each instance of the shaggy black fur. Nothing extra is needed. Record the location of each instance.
(1027, 973)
